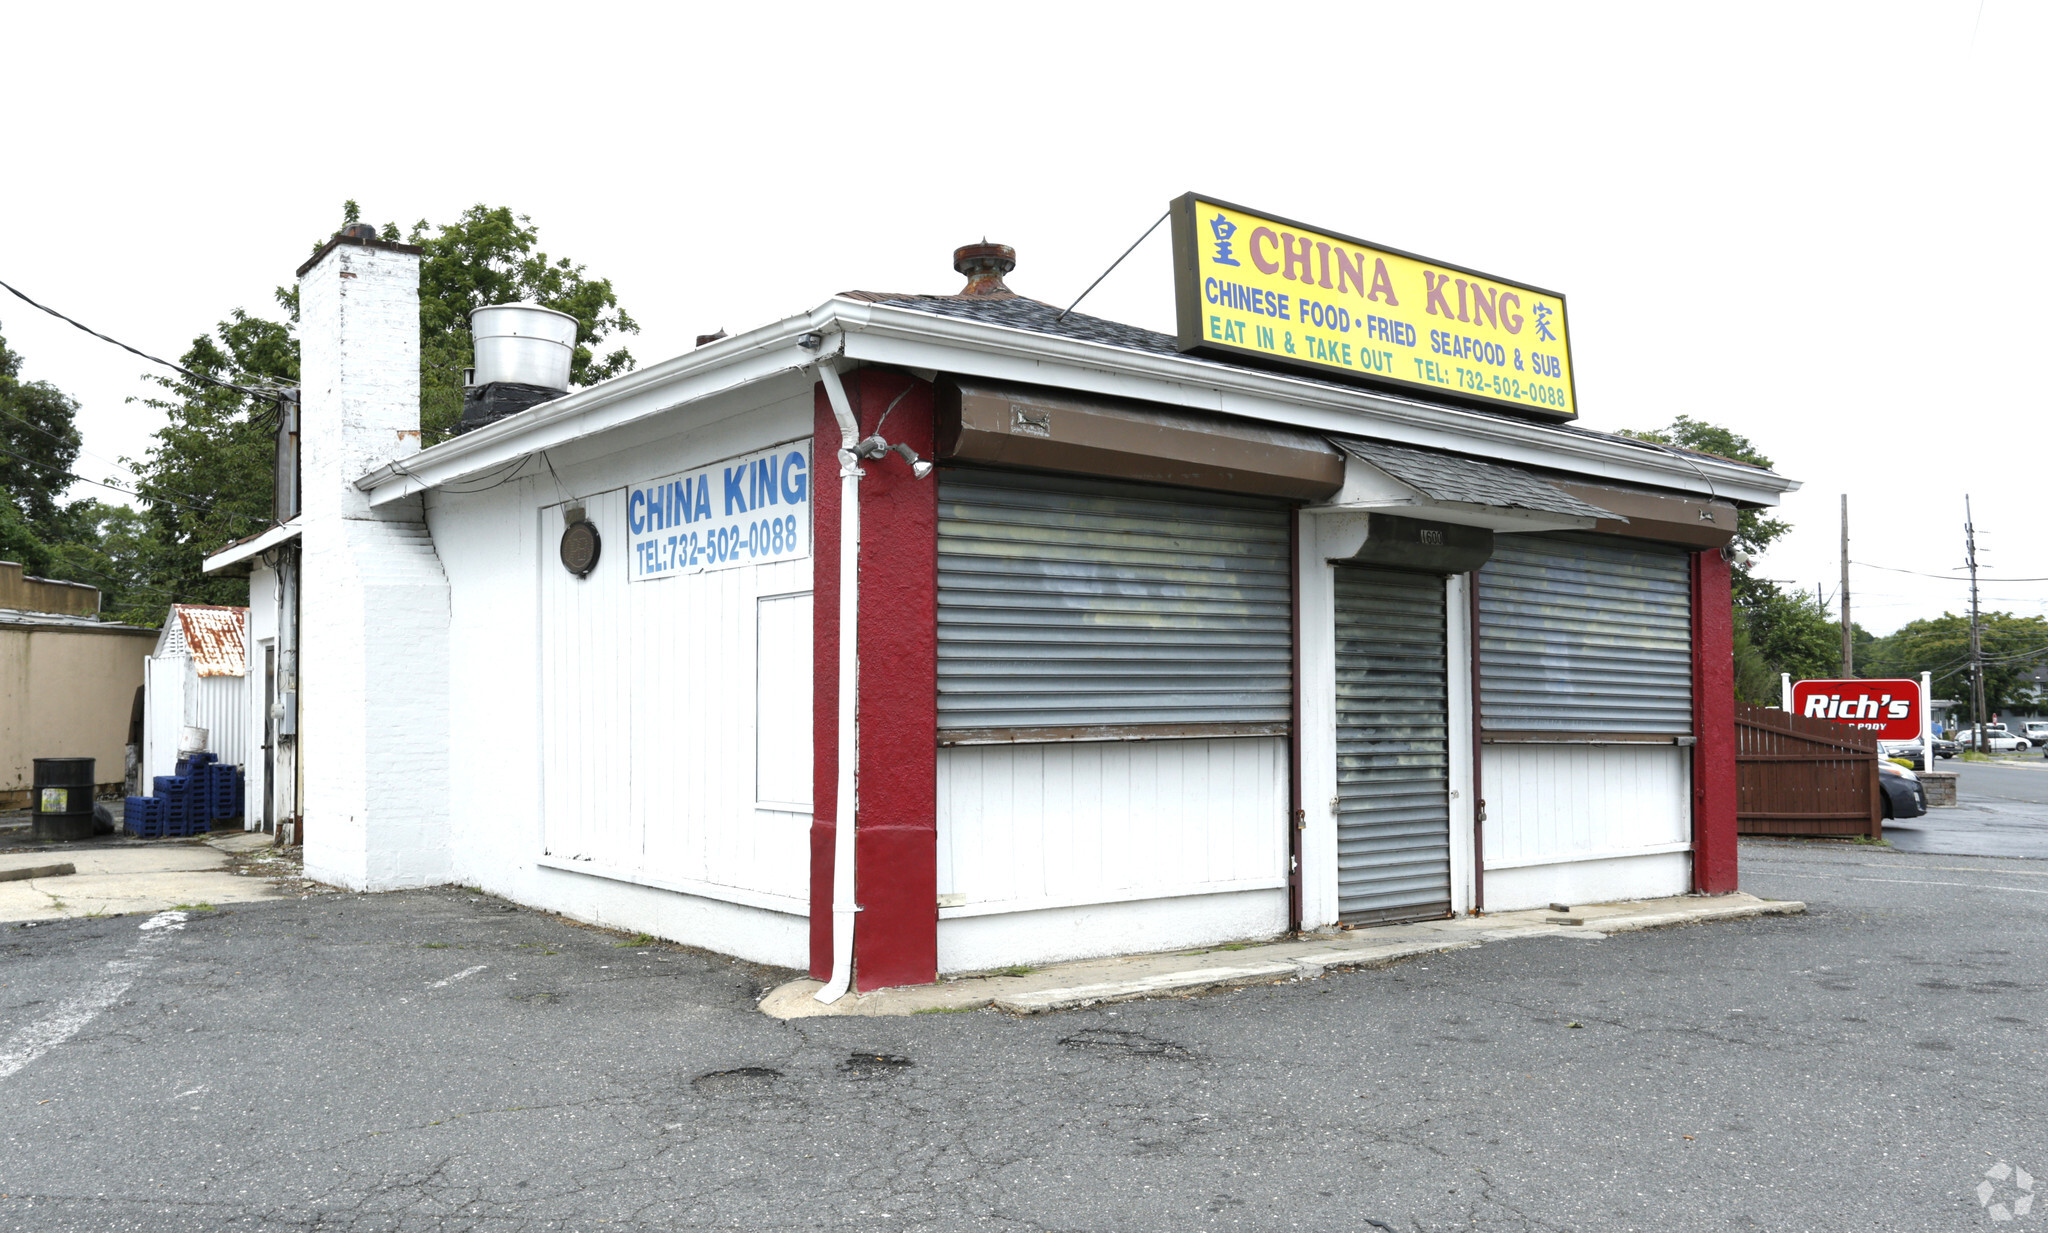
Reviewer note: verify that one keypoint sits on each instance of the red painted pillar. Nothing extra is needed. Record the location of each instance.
(1713, 711)
(896, 856)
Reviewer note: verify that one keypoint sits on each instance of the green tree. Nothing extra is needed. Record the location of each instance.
(207, 477)
(1754, 529)
(208, 474)
(38, 442)
(1791, 633)
(2012, 647)
(20, 543)
(113, 548)
(492, 256)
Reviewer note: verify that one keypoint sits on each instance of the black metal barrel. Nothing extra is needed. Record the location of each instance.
(63, 799)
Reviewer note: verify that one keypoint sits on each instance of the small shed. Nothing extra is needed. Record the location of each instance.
(198, 678)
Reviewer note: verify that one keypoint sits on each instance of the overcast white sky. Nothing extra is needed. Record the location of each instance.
(1820, 225)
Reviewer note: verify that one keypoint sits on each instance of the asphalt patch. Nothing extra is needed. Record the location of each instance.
(1128, 1043)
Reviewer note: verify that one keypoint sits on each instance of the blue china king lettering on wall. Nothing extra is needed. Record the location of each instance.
(712, 517)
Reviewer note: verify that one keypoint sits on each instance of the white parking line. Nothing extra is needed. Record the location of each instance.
(1821, 877)
(70, 1018)
(462, 975)
(2002, 873)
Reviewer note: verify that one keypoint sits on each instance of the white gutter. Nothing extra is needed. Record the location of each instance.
(846, 800)
(235, 554)
(908, 338)
(709, 370)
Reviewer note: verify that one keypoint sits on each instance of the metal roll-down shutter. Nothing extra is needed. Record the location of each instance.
(1393, 750)
(1585, 636)
(1077, 609)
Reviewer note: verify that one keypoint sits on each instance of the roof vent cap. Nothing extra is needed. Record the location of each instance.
(524, 344)
(984, 264)
(359, 231)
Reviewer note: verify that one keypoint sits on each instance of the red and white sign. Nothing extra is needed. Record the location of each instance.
(1889, 708)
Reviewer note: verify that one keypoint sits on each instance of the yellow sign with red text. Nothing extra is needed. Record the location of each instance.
(1253, 286)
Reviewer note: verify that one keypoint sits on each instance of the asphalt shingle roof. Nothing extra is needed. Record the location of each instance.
(1022, 313)
(1468, 481)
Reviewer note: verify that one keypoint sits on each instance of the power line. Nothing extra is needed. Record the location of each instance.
(1945, 577)
(60, 439)
(154, 500)
(272, 394)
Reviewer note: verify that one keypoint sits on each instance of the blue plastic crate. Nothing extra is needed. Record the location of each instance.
(143, 817)
(223, 794)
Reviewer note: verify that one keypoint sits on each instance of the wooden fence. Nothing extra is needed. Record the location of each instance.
(1797, 776)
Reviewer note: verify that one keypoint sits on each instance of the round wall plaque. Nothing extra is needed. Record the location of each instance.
(580, 548)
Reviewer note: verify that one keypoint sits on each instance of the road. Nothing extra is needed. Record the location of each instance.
(2001, 810)
(441, 1061)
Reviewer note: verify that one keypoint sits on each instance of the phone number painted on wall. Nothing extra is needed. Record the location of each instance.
(754, 510)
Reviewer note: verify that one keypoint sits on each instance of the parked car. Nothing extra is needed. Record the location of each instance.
(1910, 750)
(1904, 797)
(2037, 732)
(1996, 739)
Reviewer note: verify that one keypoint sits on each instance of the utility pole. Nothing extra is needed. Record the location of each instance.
(1848, 638)
(1976, 632)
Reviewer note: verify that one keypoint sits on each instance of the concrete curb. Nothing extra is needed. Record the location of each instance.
(1069, 986)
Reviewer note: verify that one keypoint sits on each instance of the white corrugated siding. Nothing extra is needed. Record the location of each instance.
(1547, 804)
(649, 695)
(219, 704)
(1024, 827)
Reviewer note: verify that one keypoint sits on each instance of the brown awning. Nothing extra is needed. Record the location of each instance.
(1673, 518)
(1048, 430)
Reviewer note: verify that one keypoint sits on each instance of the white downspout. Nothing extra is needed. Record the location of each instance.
(846, 799)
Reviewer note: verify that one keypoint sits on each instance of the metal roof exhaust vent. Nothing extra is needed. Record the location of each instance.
(523, 353)
(359, 231)
(984, 264)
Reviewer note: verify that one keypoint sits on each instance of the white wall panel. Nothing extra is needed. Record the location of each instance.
(782, 702)
(1547, 804)
(651, 723)
(1654, 875)
(163, 714)
(1056, 935)
(1034, 826)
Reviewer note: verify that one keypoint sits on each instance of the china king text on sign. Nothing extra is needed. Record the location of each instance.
(1250, 285)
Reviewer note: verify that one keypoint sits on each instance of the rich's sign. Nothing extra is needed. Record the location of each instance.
(1889, 708)
(1250, 285)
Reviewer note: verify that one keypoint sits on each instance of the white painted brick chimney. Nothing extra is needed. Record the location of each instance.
(373, 604)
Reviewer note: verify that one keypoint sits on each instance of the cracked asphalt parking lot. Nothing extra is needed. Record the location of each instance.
(438, 1061)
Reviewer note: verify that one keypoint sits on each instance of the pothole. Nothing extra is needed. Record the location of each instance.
(739, 1081)
(869, 1065)
(1134, 1044)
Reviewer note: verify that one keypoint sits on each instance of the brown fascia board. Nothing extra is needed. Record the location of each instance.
(1673, 518)
(1080, 434)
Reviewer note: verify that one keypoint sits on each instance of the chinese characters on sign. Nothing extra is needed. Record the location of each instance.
(1247, 285)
